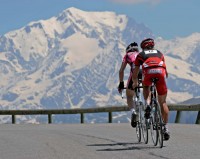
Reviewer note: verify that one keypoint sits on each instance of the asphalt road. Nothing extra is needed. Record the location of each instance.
(94, 141)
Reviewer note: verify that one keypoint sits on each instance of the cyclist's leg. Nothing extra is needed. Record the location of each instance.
(146, 82)
(162, 95)
(164, 107)
(146, 94)
(165, 114)
(129, 94)
(132, 106)
(130, 101)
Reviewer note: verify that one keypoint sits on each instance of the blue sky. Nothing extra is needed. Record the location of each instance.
(166, 18)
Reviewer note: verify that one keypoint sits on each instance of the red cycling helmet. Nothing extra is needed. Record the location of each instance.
(147, 44)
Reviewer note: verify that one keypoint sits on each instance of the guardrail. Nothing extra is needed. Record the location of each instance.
(108, 109)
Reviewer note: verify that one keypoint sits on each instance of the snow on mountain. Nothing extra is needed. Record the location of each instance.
(72, 60)
(182, 56)
(79, 51)
(180, 47)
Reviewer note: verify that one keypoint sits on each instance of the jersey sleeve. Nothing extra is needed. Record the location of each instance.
(138, 60)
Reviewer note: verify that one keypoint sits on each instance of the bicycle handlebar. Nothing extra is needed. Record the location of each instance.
(131, 89)
(134, 88)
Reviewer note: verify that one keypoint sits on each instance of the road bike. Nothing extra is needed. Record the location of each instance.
(142, 123)
(141, 126)
(155, 120)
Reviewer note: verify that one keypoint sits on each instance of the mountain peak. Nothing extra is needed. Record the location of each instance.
(73, 10)
(94, 18)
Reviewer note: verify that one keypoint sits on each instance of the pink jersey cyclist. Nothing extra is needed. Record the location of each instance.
(129, 58)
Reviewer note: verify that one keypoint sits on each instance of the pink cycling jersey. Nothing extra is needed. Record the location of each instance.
(130, 59)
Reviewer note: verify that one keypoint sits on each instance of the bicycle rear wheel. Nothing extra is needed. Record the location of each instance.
(138, 131)
(153, 128)
(144, 126)
(160, 126)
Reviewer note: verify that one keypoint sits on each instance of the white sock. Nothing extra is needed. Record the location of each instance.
(166, 127)
(132, 110)
(145, 102)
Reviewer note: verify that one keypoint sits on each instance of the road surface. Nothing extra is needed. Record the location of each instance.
(94, 141)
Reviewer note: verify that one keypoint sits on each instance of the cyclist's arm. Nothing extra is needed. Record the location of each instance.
(163, 58)
(121, 71)
(166, 73)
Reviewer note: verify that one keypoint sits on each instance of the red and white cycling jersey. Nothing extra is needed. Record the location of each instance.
(150, 58)
(153, 66)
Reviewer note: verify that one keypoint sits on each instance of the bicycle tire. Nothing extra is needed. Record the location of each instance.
(160, 126)
(138, 126)
(153, 128)
(138, 131)
(144, 127)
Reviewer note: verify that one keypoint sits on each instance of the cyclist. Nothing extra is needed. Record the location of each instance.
(129, 58)
(153, 65)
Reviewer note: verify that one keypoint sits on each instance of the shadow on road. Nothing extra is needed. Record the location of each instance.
(123, 146)
(128, 146)
(119, 146)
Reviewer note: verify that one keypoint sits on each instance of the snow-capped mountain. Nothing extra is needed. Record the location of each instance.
(182, 56)
(72, 60)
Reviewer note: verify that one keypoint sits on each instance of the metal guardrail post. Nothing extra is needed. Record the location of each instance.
(178, 117)
(198, 118)
(110, 117)
(49, 118)
(13, 119)
(82, 118)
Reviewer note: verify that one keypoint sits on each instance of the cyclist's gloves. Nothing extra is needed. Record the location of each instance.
(121, 86)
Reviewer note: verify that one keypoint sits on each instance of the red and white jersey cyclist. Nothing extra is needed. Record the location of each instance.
(153, 66)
